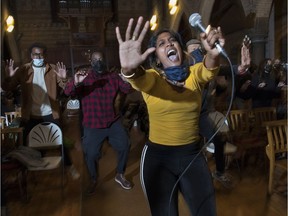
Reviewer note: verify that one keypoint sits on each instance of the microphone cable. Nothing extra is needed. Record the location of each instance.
(215, 133)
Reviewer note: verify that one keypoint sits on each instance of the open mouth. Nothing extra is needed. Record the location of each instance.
(172, 55)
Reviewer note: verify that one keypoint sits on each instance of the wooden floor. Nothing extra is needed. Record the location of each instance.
(247, 198)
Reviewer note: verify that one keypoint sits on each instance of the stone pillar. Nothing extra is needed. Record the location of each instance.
(258, 48)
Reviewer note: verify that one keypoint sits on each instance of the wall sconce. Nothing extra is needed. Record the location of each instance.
(153, 22)
(10, 23)
(173, 6)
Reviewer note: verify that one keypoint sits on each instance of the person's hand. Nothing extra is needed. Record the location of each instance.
(209, 38)
(280, 84)
(80, 76)
(262, 85)
(61, 70)
(245, 56)
(130, 49)
(9, 68)
(245, 86)
(246, 42)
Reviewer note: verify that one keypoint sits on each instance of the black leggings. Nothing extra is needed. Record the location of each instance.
(162, 166)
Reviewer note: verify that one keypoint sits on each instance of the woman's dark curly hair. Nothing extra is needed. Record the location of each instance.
(152, 43)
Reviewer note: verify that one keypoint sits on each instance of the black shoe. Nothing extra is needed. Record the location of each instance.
(91, 188)
(119, 178)
(224, 179)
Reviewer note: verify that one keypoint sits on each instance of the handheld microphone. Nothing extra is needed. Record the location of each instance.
(195, 21)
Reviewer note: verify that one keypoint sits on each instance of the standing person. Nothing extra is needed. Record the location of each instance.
(210, 119)
(97, 88)
(172, 157)
(40, 83)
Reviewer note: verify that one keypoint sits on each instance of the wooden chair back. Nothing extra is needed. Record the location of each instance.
(12, 171)
(11, 138)
(10, 116)
(3, 122)
(263, 114)
(238, 121)
(277, 145)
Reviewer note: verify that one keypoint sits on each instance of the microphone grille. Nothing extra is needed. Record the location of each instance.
(194, 19)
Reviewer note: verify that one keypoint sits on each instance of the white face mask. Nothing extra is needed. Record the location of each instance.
(38, 62)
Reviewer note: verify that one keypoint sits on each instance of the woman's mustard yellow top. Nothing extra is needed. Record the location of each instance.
(173, 115)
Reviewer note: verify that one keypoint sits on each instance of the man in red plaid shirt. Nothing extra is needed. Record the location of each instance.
(97, 89)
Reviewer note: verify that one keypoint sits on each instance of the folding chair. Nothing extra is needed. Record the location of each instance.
(47, 137)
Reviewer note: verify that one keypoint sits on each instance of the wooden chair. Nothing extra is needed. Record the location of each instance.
(277, 144)
(47, 137)
(12, 171)
(239, 121)
(229, 149)
(3, 122)
(10, 116)
(260, 115)
(240, 125)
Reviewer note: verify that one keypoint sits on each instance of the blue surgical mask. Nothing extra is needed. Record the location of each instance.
(176, 73)
(197, 55)
(38, 62)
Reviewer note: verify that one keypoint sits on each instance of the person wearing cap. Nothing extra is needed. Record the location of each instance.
(209, 116)
(195, 51)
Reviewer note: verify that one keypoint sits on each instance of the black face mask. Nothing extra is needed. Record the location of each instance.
(98, 66)
(268, 68)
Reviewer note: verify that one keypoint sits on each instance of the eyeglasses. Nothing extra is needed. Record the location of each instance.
(96, 59)
(38, 55)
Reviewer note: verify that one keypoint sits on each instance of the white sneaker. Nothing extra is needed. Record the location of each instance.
(228, 148)
(74, 173)
(211, 148)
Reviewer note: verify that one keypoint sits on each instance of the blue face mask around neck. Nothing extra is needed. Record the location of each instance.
(176, 73)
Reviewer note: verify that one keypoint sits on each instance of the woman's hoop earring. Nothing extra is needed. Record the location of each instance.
(158, 64)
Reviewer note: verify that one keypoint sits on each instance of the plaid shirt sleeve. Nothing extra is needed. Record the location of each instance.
(97, 94)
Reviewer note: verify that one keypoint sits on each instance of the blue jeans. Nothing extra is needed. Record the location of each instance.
(92, 142)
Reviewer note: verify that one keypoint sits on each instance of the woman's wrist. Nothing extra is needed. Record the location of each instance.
(132, 74)
(76, 84)
(126, 74)
(242, 69)
(65, 79)
(210, 62)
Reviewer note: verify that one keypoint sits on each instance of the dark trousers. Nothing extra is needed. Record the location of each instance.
(207, 129)
(92, 143)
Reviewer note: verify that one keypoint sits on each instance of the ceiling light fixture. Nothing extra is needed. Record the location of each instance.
(173, 6)
(10, 23)
(153, 22)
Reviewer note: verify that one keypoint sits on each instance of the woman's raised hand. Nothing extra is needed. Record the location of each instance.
(209, 38)
(130, 49)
